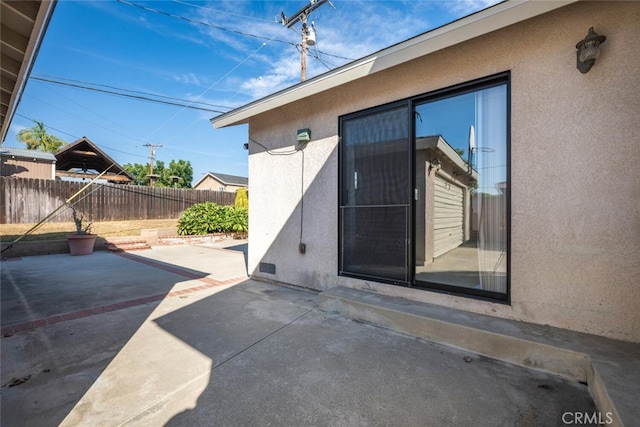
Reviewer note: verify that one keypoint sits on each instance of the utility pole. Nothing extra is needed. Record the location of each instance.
(152, 157)
(301, 16)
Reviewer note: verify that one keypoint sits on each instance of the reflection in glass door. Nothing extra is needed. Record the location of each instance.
(461, 191)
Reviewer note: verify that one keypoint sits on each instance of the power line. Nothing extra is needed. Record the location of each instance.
(193, 21)
(129, 90)
(222, 11)
(206, 24)
(308, 34)
(214, 84)
(50, 127)
(77, 137)
(141, 98)
(111, 129)
(152, 157)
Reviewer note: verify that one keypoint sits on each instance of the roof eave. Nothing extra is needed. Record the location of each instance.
(38, 31)
(494, 18)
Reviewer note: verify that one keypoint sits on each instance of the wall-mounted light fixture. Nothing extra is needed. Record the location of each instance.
(588, 50)
(245, 145)
(435, 163)
(304, 135)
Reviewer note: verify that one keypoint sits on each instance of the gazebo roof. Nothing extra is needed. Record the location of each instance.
(85, 156)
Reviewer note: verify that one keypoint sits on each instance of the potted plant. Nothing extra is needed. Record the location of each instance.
(82, 242)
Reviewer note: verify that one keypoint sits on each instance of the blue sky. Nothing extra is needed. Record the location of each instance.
(222, 53)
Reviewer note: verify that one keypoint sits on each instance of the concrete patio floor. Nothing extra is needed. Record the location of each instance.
(178, 336)
(464, 265)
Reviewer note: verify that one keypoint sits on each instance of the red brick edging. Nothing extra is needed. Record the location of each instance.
(52, 320)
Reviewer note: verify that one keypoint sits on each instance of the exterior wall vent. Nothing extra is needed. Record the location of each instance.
(266, 267)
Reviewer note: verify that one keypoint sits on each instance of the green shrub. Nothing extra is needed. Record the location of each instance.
(208, 217)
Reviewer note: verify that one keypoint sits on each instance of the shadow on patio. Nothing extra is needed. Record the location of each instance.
(65, 319)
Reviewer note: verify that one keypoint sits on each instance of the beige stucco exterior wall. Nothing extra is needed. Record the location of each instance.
(23, 168)
(575, 210)
(209, 183)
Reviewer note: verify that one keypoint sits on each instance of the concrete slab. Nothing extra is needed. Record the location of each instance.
(249, 353)
(31, 284)
(611, 368)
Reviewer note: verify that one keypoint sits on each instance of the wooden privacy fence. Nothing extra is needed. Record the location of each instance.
(26, 200)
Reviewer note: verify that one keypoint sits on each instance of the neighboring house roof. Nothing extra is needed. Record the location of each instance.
(23, 26)
(84, 155)
(475, 25)
(239, 181)
(22, 153)
(440, 145)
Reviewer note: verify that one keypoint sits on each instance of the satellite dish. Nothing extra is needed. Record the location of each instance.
(472, 139)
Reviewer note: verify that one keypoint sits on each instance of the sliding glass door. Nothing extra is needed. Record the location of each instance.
(424, 191)
(462, 182)
(375, 194)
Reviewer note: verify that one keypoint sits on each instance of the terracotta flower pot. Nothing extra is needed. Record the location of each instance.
(81, 244)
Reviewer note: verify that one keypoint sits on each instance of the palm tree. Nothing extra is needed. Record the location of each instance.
(37, 138)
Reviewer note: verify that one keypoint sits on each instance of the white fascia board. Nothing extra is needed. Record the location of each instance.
(201, 179)
(494, 18)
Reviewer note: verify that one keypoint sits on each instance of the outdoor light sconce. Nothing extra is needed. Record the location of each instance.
(588, 51)
(304, 135)
(435, 164)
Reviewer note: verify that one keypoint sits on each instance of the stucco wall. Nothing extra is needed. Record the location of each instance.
(209, 183)
(575, 210)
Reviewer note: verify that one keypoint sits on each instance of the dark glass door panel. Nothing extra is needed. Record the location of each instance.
(375, 241)
(375, 194)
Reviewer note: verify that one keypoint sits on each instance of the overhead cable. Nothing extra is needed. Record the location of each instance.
(77, 137)
(129, 90)
(104, 118)
(142, 98)
(206, 24)
(222, 11)
(193, 21)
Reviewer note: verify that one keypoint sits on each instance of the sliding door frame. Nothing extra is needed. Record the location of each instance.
(503, 78)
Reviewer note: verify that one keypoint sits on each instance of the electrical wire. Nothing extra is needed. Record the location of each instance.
(301, 198)
(206, 24)
(193, 21)
(57, 130)
(222, 11)
(142, 98)
(277, 153)
(317, 57)
(209, 88)
(77, 137)
(74, 115)
(129, 90)
(299, 148)
(128, 133)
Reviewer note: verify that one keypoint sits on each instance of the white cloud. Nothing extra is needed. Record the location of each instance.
(354, 29)
(190, 78)
(13, 130)
(284, 72)
(466, 7)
